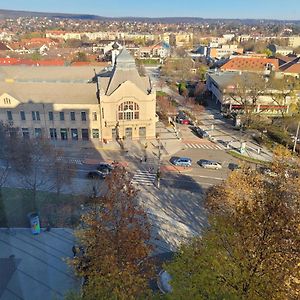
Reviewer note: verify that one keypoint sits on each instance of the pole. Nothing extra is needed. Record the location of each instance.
(99, 104)
(158, 167)
(296, 137)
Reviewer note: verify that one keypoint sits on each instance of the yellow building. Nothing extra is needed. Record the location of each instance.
(62, 103)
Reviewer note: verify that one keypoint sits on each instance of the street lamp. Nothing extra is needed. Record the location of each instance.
(158, 173)
(99, 104)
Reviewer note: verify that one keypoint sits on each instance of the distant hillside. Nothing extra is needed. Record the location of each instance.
(15, 14)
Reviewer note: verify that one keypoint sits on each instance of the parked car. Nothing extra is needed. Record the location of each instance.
(268, 171)
(181, 161)
(210, 164)
(96, 174)
(185, 121)
(105, 168)
(233, 166)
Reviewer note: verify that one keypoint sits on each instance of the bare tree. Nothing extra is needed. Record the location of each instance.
(62, 171)
(248, 89)
(33, 163)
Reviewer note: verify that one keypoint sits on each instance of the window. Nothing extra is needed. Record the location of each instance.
(95, 133)
(35, 116)
(53, 134)
(83, 116)
(95, 117)
(9, 115)
(22, 115)
(25, 133)
(63, 134)
(102, 113)
(62, 116)
(72, 116)
(50, 114)
(85, 134)
(128, 111)
(74, 134)
(38, 132)
(6, 101)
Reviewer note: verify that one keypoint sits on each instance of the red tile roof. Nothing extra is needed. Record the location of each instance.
(249, 64)
(8, 61)
(291, 66)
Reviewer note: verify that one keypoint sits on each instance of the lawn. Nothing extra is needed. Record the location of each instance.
(58, 211)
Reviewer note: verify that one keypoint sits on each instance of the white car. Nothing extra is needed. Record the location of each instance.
(210, 164)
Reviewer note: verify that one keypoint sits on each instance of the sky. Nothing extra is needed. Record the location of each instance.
(267, 9)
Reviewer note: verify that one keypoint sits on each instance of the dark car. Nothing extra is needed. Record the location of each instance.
(200, 132)
(96, 175)
(233, 166)
(105, 168)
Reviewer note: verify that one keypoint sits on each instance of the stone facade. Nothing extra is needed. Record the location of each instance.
(62, 102)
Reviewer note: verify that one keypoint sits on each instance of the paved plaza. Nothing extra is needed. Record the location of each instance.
(33, 266)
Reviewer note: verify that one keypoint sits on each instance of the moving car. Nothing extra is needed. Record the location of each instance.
(210, 164)
(200, 132)
(96, 174)
(181, 161)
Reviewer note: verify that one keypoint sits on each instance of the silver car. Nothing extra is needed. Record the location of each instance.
(210, 164)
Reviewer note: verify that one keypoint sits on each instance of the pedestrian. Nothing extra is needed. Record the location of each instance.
(141, 159)
(145, 158)
(74, 251)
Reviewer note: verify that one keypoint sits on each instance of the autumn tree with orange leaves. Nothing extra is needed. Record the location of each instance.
(114, 237)
(251, 249)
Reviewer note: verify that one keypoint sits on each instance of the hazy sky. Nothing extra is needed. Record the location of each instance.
(269, 9)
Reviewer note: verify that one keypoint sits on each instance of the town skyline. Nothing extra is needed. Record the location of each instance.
(232, 9)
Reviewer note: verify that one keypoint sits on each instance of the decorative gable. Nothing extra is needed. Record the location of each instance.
(7, 100)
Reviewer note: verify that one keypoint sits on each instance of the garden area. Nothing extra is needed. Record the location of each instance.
(54, 210)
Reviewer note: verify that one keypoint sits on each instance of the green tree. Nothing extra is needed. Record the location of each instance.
(251, 249)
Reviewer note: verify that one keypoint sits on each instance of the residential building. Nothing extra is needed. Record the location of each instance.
(60, 103)
(276, 49)
(294, 41)
(223, 51)
(251, 64)
(223, 85)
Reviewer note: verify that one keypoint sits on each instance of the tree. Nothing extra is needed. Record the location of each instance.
(62, 171)
(115, 239)
(251, 249)
(282, 90)
(248, 89)
(32, 164)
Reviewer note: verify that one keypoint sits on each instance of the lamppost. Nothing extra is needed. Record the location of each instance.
(99, 104)
(296, 137)
(158, 173)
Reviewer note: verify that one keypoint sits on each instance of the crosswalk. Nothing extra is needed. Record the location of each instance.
(73, 161)
(143, 178)
(204, 146)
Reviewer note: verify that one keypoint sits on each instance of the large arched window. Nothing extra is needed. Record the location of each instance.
(128, 111)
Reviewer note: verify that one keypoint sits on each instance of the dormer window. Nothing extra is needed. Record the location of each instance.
(6, 101)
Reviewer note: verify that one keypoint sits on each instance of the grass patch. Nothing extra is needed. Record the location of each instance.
(247, 159)
(58, 211)
(149, 61)
(161, 94)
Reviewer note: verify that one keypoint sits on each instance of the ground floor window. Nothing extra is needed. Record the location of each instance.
(63, 134)
(142, 132)
(74, 134)
(53, 134)
(85, 134)
(95, 133)
(25, 133)
(38, 132)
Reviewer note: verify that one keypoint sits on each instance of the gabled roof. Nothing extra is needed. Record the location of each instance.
(291, 66)
(249, 64)
(124, 70)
